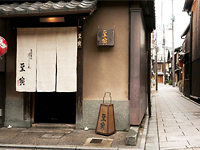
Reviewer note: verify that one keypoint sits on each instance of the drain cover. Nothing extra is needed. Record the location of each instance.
(96, 140)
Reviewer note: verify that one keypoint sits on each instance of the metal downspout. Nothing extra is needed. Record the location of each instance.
(149, 74)
(190, 59)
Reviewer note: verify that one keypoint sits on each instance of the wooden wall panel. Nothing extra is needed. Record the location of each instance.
(198, 31)
(186, 91)
(194, 29)
(195, 78)
(187, 43)
(195, 82)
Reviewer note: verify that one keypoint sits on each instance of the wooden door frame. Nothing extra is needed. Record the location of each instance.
(79, 94)
(29, 98)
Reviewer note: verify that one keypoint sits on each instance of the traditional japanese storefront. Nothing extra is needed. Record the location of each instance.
(57, 70)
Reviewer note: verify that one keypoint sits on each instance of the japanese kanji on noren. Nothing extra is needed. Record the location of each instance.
(46, 59)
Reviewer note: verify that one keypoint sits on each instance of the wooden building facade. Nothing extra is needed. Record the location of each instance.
(192, 51)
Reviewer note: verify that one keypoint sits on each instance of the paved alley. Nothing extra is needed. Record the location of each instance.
(175, 121)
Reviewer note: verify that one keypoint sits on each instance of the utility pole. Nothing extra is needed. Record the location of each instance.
(163, 44)
(173, 63)
(164, 53)
(156, 48)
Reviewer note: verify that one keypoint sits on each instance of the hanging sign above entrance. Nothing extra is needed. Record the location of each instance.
(105, 37)
(3, 46)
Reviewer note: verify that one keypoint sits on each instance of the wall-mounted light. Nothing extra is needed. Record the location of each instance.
(52, 19)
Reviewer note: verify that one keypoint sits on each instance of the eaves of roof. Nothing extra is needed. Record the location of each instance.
(187, 5)
(186, 31)
(148, 8)
(46, 8)
(55, 7)
(178, 49)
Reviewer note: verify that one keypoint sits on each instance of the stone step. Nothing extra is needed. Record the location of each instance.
(53, 125)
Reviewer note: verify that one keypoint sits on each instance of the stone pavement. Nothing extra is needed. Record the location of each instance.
(44, 138)
(175, 121)
(174, 125)
(67, 139)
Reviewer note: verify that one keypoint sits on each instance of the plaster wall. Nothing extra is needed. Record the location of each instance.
(106, 69)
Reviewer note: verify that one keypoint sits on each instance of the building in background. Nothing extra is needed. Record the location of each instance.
(164, 32)
(160, 65)
(185, 59)
(178, 63)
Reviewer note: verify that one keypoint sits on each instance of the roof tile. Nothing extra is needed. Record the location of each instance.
(37, 7)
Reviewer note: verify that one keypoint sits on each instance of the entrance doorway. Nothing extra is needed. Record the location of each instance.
(55, 107)
(160, 79)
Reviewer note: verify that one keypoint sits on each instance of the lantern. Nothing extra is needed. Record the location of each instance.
(3, 46)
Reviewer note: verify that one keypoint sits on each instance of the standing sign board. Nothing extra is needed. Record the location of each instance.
(106, 120)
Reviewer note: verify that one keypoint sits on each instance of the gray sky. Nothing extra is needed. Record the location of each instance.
(181, 21)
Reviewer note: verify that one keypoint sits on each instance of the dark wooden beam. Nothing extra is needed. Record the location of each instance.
(27, 106)
(149, 14)
(188, 5)
(79, 95)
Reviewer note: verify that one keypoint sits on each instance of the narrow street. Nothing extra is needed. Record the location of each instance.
(175, 121)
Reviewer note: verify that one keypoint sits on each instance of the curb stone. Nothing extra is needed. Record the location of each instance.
(144, 134)
(187, 98)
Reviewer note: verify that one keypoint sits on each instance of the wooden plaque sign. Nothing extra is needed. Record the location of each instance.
(105, 37)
